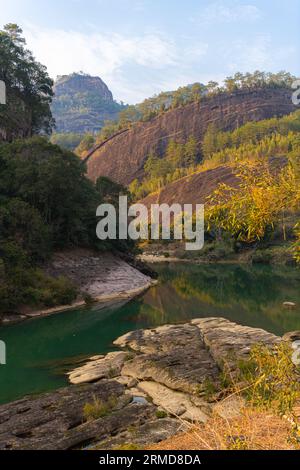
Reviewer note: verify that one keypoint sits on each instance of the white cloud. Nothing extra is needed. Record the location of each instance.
(228, 12)
(196, 51)
(256, 54)
(105, 55)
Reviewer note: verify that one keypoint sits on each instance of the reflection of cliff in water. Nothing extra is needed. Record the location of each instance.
(252, 295)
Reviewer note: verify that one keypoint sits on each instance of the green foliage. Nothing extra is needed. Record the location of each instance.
(46, 203)
(271, 380)
(249, 134)
(161, 414)
(67, 141)
(53, 182)
(109, 191)
(85, 144)
(88, 299)
(25, 285)
(177, 161)
(25, 78)
(98, 408)
(253, 209)
(296, 246)
(158, 104)
(255, 141)
(128, 446)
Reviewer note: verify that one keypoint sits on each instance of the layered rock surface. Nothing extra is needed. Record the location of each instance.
(122, 157)
(161, 379)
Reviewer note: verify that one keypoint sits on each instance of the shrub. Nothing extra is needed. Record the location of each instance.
(98, 408)
(272, 381)
(88, 299)
(160, 414)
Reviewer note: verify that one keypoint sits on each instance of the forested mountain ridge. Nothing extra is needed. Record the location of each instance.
(123, 157)
(82, 103)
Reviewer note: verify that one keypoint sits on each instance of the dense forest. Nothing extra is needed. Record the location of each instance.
(46, 201)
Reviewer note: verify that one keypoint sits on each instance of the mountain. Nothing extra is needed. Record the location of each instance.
(196, 187)
(82, 103)
(122, 157)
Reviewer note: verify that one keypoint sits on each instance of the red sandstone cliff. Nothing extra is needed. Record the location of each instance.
(122, 157)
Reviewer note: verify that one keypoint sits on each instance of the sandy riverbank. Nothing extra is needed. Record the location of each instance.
(103, 276)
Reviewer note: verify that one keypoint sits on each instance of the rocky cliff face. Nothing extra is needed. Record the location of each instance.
(82, 103)
(195, 188)
(122, 158)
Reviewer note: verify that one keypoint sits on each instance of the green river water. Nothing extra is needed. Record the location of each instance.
(40, 351)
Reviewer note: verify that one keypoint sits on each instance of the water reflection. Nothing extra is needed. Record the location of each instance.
(39, 351)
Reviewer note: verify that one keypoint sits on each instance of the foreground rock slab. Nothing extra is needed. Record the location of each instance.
(56, 421)
(161, 379)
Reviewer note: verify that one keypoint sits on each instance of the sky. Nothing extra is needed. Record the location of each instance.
(142, 47)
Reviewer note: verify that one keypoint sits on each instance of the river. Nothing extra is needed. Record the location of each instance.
(40, 351)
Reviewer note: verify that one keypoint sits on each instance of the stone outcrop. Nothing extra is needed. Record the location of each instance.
(105, 277)
(122, 157)
(164, 377)
(98, 274)
(193, 189)
(55, 421)
(82, 103)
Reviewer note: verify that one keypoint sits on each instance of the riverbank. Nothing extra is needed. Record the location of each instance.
(212, 253)
(159, 383)
(99, 278)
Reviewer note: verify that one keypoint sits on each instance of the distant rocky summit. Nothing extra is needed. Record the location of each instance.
(82, 103)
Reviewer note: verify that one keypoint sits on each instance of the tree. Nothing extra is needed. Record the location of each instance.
(26, 78)
(86, 144)
(209, 145)
(174, 154)
(190, 151)
(250, 211)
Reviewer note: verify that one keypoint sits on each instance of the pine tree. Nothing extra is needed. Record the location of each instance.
(190, 152)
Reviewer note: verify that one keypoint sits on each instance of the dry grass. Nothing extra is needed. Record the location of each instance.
(252, 430)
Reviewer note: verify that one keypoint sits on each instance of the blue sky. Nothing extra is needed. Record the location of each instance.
(142, 47)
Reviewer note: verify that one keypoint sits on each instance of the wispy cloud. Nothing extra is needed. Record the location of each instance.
(228, 12)
(245, 56)
(105, 55)
(257, 54)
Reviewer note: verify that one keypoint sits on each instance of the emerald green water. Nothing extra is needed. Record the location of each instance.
(40, 351)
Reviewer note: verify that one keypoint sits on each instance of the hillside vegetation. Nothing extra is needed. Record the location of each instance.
(155, 106)
(264, 206)
(46, 204)
(253, 141)
(46, 201)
